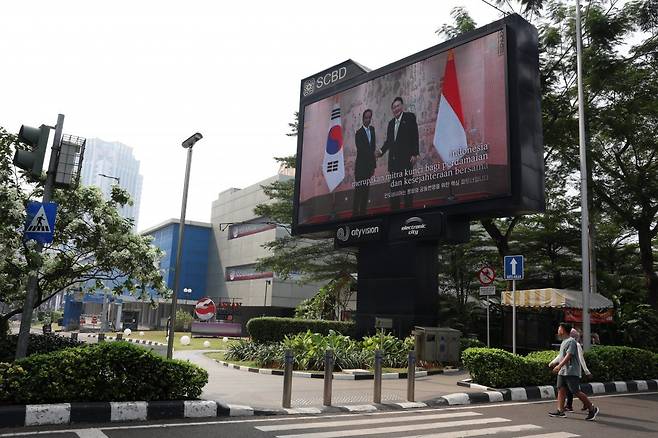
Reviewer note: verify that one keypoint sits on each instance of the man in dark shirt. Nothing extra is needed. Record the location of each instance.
(364, 166)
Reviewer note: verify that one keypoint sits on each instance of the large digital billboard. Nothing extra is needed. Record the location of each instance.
(431, 132)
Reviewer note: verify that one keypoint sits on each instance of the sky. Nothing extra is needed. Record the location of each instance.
(151, 73)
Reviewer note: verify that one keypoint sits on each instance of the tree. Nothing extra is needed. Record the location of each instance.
(313, 260)
(93, 247)
(621, 82)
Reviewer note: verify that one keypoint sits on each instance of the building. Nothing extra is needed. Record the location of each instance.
(116, 161)
(218, 261)
(238, 239)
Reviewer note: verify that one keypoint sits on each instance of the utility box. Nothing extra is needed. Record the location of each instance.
(437, 344)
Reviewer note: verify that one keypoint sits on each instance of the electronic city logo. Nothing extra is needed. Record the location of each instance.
(413, 226)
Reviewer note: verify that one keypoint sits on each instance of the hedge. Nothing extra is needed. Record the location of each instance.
(273, 329)
(113, 371)
(501, 369)
(37, 344)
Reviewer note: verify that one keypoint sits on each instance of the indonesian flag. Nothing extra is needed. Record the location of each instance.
(449, 133)
(333, 165)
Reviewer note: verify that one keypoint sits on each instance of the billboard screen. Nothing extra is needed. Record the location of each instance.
(444, 141)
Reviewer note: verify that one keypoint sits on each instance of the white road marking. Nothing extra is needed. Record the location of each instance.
(553, 435)
(397, 429)
(91, 433)
(481, 432)
(274, 419)
(320, 424)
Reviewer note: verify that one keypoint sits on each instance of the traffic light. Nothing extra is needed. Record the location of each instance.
(32, 160)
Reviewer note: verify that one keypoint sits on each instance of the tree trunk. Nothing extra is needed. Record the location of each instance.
(646, 260)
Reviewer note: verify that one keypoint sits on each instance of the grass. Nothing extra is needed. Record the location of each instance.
(195, 343)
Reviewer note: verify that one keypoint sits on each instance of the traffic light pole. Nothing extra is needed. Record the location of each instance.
(33, 277)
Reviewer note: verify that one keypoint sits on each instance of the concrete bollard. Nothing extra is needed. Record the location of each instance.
(411, 377)
(328, 376)
(74, 336)
(119, 336)
(101, 337)
(377, 392)
(287, 379)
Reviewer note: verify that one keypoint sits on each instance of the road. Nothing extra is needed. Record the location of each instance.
(629, 415)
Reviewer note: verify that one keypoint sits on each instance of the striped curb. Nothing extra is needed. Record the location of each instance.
(548, 392)
(109, 412)
(134, 341)
(337, 376)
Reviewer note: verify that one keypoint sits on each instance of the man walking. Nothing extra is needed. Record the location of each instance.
(364, 166)
(402, 147)
(568, 372)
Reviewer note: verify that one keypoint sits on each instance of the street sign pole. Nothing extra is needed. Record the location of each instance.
(488, 337)
(513, 316)
(33, 278)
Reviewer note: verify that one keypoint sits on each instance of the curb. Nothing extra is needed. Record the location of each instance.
(110, 412)
(548, 392)
(132, 340)
(105, 412)
(337, 376)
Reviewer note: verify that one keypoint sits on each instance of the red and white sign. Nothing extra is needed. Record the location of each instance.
(205, 309)
(487, 275)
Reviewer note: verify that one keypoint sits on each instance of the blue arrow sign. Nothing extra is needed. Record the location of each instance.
(40, 222)
(513, 267)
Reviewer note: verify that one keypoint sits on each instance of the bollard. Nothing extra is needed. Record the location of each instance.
(74, 336)
(119, 336)
(287, 379)
(328, 376)
(101, 337)
(411, 377)
(377, 393)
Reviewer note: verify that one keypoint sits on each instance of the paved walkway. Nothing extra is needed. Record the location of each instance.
(263, 390)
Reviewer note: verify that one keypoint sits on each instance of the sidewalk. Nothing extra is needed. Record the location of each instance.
(266, 391)
(262, 390)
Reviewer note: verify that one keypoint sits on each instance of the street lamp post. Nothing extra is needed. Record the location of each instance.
(116, 178)
(187, 144)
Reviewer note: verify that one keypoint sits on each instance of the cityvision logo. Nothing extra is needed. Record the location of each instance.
(345, 233)
(413, 226)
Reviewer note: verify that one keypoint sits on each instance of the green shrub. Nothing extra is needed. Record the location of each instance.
(273, 329)
(493, 367)
(465, 343)
(609, 363)
(113, 371)
(536, 370)
(183, 320)
(395, 350)
(500, 369)
(37, 344)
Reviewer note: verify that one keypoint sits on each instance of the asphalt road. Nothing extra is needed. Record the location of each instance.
(624, 416)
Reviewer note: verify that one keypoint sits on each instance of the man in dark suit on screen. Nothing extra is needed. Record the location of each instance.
(402, 147)
(364, 166)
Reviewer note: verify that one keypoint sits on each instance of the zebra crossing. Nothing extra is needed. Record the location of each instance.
(433, 425)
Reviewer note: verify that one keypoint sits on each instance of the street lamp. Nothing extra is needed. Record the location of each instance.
(116, 178)
(187, 291)
(187, 144)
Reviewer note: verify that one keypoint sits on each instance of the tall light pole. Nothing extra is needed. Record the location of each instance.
(187, 144)
(116, 178)
(584, 220)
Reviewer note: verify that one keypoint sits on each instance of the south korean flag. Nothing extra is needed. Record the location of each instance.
(333, 165)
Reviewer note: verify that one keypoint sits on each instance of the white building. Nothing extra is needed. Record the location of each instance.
(117, 162)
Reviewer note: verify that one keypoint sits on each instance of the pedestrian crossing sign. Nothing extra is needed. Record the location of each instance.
(40, 223)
